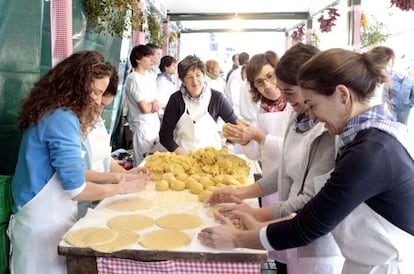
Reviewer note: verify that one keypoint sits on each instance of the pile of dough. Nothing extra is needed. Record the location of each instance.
(179, 221)
(130, 204)
(201, 172)
(131, 222)
(166, 239)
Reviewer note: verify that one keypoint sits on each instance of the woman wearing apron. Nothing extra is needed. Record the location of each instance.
(368, 198)
(190, 117)
(49, 176)
(100, 167)
(308, 151)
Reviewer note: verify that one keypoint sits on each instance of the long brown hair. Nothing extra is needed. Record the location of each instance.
(68, 85)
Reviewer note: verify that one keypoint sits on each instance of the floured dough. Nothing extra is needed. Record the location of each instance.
(179, 221)
(165, 239)
(123, 240)
(130, 222)
(130, 204)
(210, 211)
(89, 236)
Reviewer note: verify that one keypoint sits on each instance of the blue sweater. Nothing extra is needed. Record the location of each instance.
(374, 169)
(52, 145)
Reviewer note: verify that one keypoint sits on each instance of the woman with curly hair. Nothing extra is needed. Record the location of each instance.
(49, 178)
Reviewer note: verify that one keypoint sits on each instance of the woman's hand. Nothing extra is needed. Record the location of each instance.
(134, 185)
(180, 151)
(223, 236)
(242, 133)
(224, 195)
(138, 170)
(241, 207)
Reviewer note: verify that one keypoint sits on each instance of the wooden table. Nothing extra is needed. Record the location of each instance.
(84, 260)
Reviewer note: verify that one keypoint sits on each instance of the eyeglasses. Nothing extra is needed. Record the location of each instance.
(260, 83)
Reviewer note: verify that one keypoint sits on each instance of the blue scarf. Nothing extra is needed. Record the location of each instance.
(303, 123)
(377, 117)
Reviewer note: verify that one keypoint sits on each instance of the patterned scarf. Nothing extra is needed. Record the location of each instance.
(187, 95)
(273, 106)
(303, 123)
(377, 117)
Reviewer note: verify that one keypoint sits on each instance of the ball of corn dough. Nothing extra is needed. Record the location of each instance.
(162, 185)
(202, 196)
(177, 185)
(196, 188)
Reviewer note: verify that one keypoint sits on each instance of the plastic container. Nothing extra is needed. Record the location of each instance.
(4, 250)
(5, 199)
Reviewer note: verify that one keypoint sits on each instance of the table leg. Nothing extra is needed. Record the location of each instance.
(81, 264)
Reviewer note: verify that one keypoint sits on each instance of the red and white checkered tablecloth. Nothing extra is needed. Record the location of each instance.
(108, 265)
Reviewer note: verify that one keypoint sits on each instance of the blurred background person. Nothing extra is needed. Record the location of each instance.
(235, 65)
(249, 109)
(401, 93)
(213, 76)
(143, 106)
(155, 58)
(234, 82)
(166, 84)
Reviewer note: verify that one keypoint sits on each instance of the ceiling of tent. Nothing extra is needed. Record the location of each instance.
(242, 15)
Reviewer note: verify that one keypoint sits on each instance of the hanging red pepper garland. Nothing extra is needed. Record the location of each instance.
(327, 24)
(403, 4)
(298, 34)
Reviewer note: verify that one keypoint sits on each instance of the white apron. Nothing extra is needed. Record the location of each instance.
(145, 136)
(322, 256)
(275, 124)
(98, 150)
(97, 153)
(372, 245)
(194, 134)
(37, 228)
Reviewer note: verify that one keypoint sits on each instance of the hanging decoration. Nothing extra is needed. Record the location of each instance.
(372, 32)
(315, 39)
(403, 4)
(154, 28)
(364, 23)
(298, 34)
(115, 17)
(327, 24)
(173, 36)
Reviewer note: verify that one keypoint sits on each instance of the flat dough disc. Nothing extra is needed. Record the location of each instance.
(89, 236)
(166, 239)
(179, 221)
(130, 222)
(130, 204)
(123, 240)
